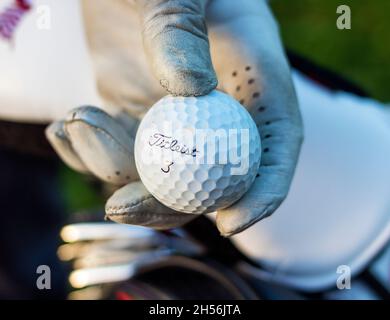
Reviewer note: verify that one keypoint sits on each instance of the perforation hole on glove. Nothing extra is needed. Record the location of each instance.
(247, 90)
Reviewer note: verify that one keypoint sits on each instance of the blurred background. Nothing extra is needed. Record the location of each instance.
(360, 54)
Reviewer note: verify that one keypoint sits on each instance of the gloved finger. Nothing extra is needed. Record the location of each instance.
(175, 40)
(129, 123)
(133, 204)
(274, 107)
(271, 100)
(60, 142)
(102, 144)
(259, 77)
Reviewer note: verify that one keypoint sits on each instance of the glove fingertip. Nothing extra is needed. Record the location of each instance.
(189, 82)
(58, 139)
(233, 221)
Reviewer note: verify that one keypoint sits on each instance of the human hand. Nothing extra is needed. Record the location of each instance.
(242, 48)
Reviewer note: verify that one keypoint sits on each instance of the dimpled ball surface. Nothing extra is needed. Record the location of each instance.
(177, 167)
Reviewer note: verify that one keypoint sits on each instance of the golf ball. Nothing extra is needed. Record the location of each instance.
(197, 154)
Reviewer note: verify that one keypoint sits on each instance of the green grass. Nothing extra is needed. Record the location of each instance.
(78, 192)
(361, 54)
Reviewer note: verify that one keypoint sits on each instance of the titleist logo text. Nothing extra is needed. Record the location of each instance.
(170, 143)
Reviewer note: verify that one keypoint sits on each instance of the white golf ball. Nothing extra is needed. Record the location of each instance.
(197, 154)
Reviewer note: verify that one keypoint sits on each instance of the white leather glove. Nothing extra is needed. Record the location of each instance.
(187, 45)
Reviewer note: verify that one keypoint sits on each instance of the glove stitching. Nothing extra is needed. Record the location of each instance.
(106, 133)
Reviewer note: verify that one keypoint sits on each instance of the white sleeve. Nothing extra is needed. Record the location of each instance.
(45, 72)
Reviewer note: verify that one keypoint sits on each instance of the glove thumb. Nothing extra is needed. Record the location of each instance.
(176, 43)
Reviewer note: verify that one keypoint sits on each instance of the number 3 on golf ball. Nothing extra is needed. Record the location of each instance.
(197, 154)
